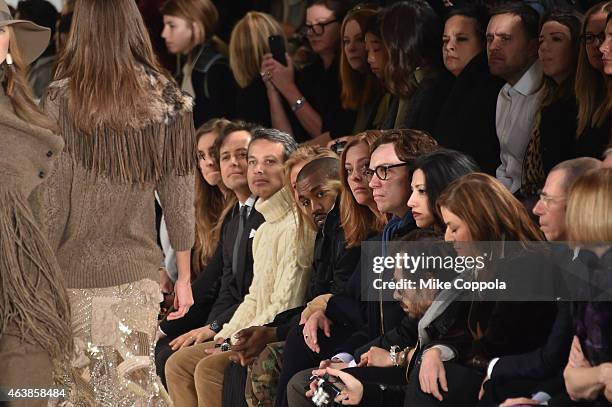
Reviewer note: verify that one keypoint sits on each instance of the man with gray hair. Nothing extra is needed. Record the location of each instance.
(510, 377)
(550, 208)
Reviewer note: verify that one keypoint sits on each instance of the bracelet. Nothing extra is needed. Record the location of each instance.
(393, 355)
(298, 104)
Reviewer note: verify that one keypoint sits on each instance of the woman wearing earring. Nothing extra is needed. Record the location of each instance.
(34, 313)
(129, 133)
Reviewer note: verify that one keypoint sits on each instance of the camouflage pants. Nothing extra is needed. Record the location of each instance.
(262, 378)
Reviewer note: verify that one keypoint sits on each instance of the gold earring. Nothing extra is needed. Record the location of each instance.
(9, 59)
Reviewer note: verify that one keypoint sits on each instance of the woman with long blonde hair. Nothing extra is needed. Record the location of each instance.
(129, 134)
(247, 47)
(589, 224)
(34, 309)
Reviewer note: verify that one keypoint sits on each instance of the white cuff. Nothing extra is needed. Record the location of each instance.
(541, 397)
(491, 366)
(346, 358)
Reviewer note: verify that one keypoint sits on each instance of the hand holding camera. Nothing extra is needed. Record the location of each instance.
(335, 386)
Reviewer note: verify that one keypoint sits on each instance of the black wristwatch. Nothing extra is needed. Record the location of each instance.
(215, 326)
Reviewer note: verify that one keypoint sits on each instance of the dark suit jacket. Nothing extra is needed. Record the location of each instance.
(235, 286)
(206, 286)
(544, 362)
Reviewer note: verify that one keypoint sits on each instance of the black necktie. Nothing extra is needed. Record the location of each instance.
(241, 223)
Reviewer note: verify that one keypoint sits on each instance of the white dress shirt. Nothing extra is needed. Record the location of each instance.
(514, 120)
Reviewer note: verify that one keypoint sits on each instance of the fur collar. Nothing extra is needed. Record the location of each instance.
(157, 142)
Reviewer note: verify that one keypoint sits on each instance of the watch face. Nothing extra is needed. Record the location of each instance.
(215, 326)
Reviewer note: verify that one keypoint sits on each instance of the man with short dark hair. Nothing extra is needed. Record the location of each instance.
(512, 51)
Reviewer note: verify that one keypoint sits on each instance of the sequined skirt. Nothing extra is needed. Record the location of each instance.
(114, 336)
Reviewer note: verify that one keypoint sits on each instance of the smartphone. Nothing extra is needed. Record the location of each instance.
(277, 47)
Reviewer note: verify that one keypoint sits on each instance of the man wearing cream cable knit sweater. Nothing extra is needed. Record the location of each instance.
(281, 266)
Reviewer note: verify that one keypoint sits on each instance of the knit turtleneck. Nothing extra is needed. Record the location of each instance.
(276, 207)
(281, 265)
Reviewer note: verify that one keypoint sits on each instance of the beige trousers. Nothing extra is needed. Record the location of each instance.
(195, 378)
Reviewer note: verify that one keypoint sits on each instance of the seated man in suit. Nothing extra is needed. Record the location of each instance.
(234, 255)
(539, 373)
(280, 274)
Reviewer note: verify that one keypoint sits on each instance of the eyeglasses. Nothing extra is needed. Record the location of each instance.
(596, 39)
(547, 199)
(318, 28)
(382, 171)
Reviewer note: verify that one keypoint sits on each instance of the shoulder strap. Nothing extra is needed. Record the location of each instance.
(209, 64)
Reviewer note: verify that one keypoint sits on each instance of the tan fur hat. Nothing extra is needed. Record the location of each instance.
(31, 38)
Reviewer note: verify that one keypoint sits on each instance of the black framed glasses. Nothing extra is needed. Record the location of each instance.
(382, 171)
(318, 28)
(597, 39)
